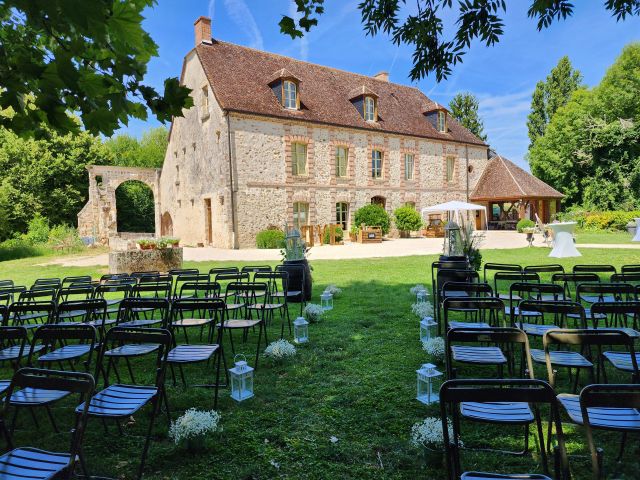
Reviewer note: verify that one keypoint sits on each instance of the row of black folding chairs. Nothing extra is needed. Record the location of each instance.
(115, 402)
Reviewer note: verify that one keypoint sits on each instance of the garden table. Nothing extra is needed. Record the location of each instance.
(563, 245)
(636, 238)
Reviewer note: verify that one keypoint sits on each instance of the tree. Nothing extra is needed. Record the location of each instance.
(373, 216)
(476, 20)
(590, 149)
(85, 57)
(464, 108)
(550, 95)
(407, 219)
(147, 152)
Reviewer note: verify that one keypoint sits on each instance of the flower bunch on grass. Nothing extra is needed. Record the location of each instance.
(419, 287)
(194, 424)
(333, 290)
(313, 312)
(422, 309)
(428, 433)
(280, 350)
(434, 348)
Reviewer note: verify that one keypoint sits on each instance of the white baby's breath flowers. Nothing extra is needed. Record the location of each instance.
(419, 287)
(428, 433)
(422, 309)
(280, 350)
(313, 312)
(434, 348)
(333, 290)
(193, 424)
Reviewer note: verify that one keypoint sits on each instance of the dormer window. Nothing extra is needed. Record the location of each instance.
(370, 110)
(290, 95)
(442, 121)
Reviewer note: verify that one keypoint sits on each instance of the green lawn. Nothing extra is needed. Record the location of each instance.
(354, 381)
(603, 237)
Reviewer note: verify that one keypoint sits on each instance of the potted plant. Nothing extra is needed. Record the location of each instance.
(353, 233)
(528, 231)
(144, 244)
(407, 220)
(173, 242)
(294, 261)
(471, 241)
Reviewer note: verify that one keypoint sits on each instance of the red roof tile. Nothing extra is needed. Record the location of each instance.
(240, 77)
(504, 180)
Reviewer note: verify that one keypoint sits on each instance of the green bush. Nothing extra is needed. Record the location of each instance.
(606, 220)
(64, 237)
(270, 239)
(327, 235)
(16, 248)
(38, 230)
(373, 216)
(407, 219)
(525, 223)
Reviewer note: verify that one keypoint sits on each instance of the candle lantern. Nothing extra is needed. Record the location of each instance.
(241, 376)
(427, 388)
(300, 330)
(421, 296)
(452, 240)
(427, 328)
(326, 301)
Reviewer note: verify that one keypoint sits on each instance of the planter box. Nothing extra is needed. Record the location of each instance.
(370, 235)
(128, 261)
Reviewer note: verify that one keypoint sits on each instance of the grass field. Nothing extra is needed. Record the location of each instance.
(355, 380)
(603, 237)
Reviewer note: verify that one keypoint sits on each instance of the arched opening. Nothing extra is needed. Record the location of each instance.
(135, 207)
(379, 200)
(166, 225)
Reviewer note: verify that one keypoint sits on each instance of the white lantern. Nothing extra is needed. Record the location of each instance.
(326, 301)
(241, 379)
(421, 296)
(427, 392)
(300, 330)
(427, 328)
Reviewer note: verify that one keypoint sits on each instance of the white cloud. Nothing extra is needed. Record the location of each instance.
(243, 18)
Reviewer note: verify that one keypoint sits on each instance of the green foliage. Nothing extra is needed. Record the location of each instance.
(591, 148)
(38, 230)
(464, 108)
(478, 21)
(270, 239)
(46, 177)
(147, 152)
(135, 207)
(550, 95)
(605, 220)
(64, 237)
(524, 223)
(373, 216)
(407, 219)
(89, 58)
(16, 248)
(326, 239)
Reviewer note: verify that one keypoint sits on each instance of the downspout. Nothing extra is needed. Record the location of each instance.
(234, 230)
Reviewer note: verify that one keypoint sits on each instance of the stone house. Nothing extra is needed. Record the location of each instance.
(272, 141)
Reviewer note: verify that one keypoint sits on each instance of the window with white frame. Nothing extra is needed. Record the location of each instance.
(290, 94)
(409, 165)
(342, 155)
(300, 214)
(376, 164)
(370, 109)
(342, 214)
(442, 121)
(299, 158)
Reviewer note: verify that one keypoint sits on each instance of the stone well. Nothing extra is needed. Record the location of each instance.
(128, 261)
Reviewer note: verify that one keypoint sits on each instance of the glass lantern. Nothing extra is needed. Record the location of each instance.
(241, 376)
(427, 328)
(326, 301)
(427, 388)
(421, 296)
(300, 330)
(452, 240)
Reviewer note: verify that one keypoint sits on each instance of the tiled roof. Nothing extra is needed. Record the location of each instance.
(240, 77)
(504, 180)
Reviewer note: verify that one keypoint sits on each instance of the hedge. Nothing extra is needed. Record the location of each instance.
(373, 216)
(608, 220)
(270, 239)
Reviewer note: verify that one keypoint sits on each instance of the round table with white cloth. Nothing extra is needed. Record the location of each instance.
(563, 245)
(636, 238)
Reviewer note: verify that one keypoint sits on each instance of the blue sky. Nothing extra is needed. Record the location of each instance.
(502, 77)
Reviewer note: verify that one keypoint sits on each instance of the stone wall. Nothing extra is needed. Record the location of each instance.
(129, 261)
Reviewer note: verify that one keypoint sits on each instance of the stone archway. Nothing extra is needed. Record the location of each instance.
(166, 225)
(98, 218)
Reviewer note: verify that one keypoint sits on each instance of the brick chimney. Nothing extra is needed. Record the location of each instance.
(203, 30)
(382, 76)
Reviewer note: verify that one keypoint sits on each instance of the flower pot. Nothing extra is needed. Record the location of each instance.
(296, 277)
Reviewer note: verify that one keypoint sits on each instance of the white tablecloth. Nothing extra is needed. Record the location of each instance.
(563, 245)
(636, 238)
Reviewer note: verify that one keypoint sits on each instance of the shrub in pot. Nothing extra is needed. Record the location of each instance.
(270, 239)
(407, 220)
(373, 216)
(326, 238)
(524, 223)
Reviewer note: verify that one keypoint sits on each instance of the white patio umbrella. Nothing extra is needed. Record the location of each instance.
(455, 207)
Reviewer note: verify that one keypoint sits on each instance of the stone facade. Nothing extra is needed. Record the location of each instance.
(129, 261)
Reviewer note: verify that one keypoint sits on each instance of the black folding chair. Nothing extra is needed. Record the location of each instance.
(14, 347)
(143, 312)
(545, 272)
(617, 315)
(118, 402)
(31, 463)
(183, 278)
(76, 280)
(570, 282)
(256, 268)
(31, 314)
(444, 276)
(276, 282)
(535, 393)
(73, 293)
(488, 312)
(293, 295)
(560, 310)
(85, 312)
(502, 282)
(500, 267)
(113, 292)
(598, 268)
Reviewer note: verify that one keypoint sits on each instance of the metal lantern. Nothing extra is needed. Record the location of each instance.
(300, 330)
(421, 296)
(427, 391)
(452, 240)
(241, 379)
(326, 301)
(427, 328)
